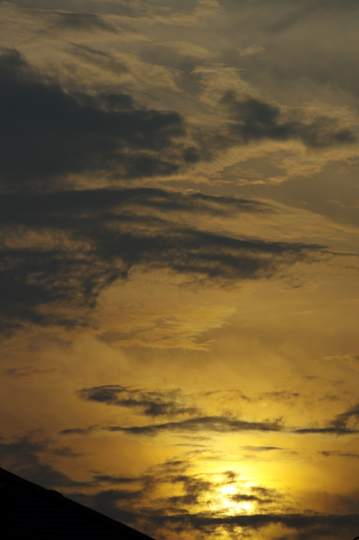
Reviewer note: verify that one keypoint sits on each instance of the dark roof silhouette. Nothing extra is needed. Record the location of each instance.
(31, 512)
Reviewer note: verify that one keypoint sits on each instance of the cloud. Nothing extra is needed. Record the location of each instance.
(255, 120)
(57, 136)
(352, 414)
(149, 403)
(189, 415)
(107, 501)
(190, 494)
(215, 424)
(345, 423)
(337, 453)
(78, 431)
(187, 511)
(88, 22)
(252, 448)
(327, 430)
(102, 59)
(168, 327)
(301, 526)
(105, 478)
(47, 209)
(61, 249)
(32, 279)
(351, 360)
(22, 456)
(167, 403)
(281, 396)
(243, 497)
(27, 372)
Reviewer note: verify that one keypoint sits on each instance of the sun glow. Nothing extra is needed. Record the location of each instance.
(246, 506)
(229, 501)
(228, 490)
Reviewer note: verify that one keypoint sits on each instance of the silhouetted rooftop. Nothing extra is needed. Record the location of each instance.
(31, 512)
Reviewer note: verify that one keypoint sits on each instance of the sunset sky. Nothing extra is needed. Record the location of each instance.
(179, 292)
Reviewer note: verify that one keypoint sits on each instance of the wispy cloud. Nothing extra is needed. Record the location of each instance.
(149, 403)
(24, 456)
(216, 424)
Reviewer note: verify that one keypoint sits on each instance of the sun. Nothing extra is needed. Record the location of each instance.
(227, 503)
(228, 490)
(246, 506)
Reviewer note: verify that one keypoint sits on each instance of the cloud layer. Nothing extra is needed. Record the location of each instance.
(178, 261)
(81, 242)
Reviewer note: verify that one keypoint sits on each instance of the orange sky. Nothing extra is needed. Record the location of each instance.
(179, 289)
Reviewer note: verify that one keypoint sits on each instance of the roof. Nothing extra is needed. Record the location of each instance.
(29, 512)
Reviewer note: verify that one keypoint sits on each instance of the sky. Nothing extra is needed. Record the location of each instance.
(179, 293)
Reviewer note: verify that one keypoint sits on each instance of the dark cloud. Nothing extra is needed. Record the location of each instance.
(255, 120)
(243, 497)
(337, 453)
(216, 424)
(113, 233)
(173, 403)
(105, 478)
(78, 431)
(201, 424)
(52, 209)
(281, 396)
(345, 423)
(22, 456)
(192, 490)
(78, 7)
(105, 60)
(58, 134)
(262, 448)
(149, 403)
(22, 450)
(181, 514)
(131, 506)
(262, 491)
(112, 503)
(352, 414)
(66, 451)
(28, 371)
(299, 526)
(88, 22)
(118, 7)
(31, 279)
(55, 135)
(327, 430)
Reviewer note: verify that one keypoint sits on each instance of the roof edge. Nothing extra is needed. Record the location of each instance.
(65, 501)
